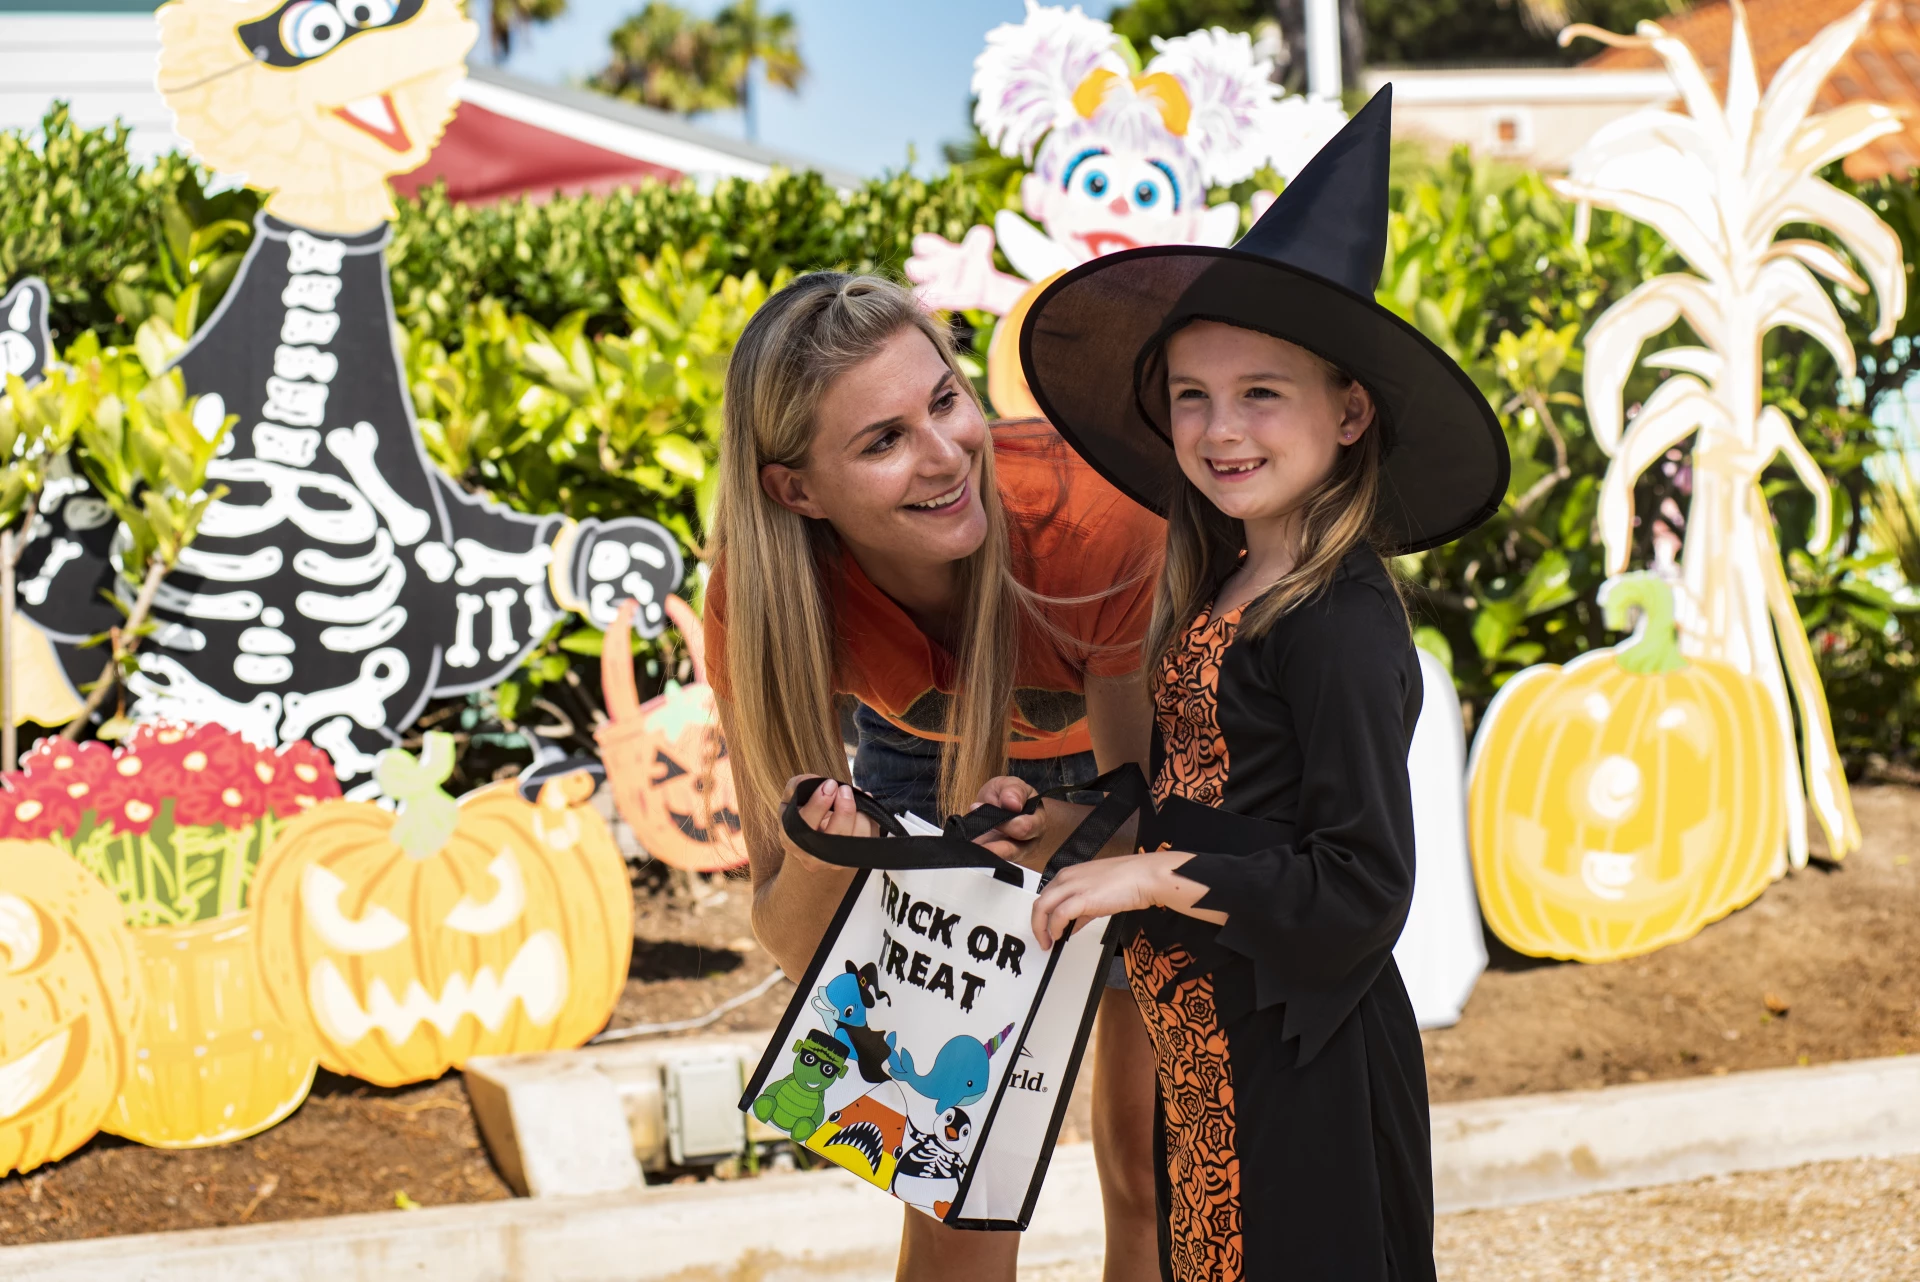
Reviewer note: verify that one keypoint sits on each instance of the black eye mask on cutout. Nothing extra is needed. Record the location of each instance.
(300, 31)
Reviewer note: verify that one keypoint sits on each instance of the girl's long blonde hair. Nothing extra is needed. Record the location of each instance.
(1204, 543)
(781, 568)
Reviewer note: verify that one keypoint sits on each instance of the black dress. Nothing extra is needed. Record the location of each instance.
(1294, 1139)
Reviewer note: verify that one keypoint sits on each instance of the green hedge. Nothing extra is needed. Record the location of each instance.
(568, 355)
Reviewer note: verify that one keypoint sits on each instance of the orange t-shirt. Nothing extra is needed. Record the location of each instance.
(1073, 536)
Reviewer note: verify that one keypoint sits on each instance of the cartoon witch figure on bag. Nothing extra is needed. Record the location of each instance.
(1122, 156)
(342, 580)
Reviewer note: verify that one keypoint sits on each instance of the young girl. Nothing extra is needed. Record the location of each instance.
(1288, 427)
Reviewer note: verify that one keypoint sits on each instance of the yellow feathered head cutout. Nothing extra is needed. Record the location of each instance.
(316, 101)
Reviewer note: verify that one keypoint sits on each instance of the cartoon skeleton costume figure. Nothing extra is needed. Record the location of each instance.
(1122, 156)
(933, 1161)
(343, 580)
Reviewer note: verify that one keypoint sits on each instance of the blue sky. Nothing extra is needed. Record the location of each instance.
(883, 75)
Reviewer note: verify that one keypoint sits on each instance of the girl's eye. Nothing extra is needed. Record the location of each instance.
(1262, 393)
(1191, 394)
(312, 28)
(1095, 183)
(369, 13)
(1146, 194)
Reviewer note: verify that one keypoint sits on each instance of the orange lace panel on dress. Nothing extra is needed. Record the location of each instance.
(1187, 707)
(1196, 1092)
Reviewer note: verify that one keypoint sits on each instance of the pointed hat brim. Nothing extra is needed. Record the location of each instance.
(1091, 352)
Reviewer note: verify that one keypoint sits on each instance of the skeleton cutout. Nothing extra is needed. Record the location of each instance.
(343, 580)
(1122, 157)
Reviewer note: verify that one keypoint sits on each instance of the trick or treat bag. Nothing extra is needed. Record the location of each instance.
(932, 1045)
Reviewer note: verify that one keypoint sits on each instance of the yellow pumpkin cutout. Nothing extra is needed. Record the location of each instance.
(409, 943)
(213, 1062)
(69, 1002)
(666, 760)
(1622, 802)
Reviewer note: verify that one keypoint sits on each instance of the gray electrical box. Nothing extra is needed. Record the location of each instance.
(703, 1106)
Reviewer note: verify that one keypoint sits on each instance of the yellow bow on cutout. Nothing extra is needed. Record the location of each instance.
(1166, 94)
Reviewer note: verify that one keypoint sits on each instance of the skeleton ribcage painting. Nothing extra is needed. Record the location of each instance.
(342, 580)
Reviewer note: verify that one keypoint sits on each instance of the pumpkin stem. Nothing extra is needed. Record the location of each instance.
(428, 815)
(1656, 646)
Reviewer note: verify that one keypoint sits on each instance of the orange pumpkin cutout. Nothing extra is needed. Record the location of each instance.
(69, 1003)
(1621, 803)
(409, 943)
(666, 759)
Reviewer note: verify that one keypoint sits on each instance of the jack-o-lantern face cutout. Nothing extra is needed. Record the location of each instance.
(69, 1003)
(317, 101)
(410, 944)
(1623, 802)
(666, 759)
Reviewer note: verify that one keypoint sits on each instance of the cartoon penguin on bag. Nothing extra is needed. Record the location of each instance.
(343, 580)
(933, 1159)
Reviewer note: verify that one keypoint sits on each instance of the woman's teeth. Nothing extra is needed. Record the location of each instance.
(943, 500)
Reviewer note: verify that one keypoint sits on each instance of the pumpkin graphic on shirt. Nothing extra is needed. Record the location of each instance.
(342, 580)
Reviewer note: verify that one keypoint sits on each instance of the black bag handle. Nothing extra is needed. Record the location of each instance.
(900, 851)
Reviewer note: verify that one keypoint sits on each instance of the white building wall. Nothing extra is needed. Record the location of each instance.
(101, 63)
(1535, 117)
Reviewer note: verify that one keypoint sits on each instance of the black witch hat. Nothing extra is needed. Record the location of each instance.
(1094, 344)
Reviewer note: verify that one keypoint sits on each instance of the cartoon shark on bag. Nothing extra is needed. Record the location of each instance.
(343, 580)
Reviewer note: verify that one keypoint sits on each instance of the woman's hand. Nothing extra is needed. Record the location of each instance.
(1103, 887)
(831, 809)
(1012, 839)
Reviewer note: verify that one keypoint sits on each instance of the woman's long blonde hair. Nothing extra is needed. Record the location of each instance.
(1204, 543)
(781, 568)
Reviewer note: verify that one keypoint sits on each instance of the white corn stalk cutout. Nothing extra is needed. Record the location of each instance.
(1718, 182)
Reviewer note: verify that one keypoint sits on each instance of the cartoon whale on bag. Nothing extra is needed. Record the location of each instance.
(343, 580)
(960, 1071)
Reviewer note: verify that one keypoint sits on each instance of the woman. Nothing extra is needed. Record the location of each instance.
(982, 594)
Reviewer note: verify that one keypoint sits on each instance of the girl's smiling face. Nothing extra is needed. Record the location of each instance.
(1257, 421)
(895, 461)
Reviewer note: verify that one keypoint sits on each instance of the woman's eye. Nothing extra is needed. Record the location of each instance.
(312, 27)
(1146, 194)
(1095, 183)
(883, 443)
(369, 13)
(946, 402)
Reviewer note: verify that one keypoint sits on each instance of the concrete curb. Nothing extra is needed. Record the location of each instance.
(826, 1224)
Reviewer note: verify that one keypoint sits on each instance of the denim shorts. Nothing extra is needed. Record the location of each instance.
(902, 772)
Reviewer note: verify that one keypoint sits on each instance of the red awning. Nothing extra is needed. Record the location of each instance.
(486, 156)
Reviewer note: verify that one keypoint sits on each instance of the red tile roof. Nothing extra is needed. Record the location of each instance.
(1883, 66)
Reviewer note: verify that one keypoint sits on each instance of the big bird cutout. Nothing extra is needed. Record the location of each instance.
(342, 580)
(195, 920)
(1625, 802)
(1122, 156)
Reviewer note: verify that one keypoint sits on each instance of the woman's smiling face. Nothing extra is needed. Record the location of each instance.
(896, 459)
(1257, 421)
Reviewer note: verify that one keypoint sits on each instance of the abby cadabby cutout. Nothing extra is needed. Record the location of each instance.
(1122, 155)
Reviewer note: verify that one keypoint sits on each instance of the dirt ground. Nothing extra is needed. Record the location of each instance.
(1825, 966)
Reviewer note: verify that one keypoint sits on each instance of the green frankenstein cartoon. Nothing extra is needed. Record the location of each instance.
(797, 1102)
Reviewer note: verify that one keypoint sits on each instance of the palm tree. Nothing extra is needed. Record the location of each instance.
(664, 57)
(1719, 182)
(508, 17)
(747, 35)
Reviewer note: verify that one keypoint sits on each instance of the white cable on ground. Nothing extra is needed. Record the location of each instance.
(698, 1021)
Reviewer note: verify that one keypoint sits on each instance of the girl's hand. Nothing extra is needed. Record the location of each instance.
(1101, 888)
(1012, 839)
(831, 809)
